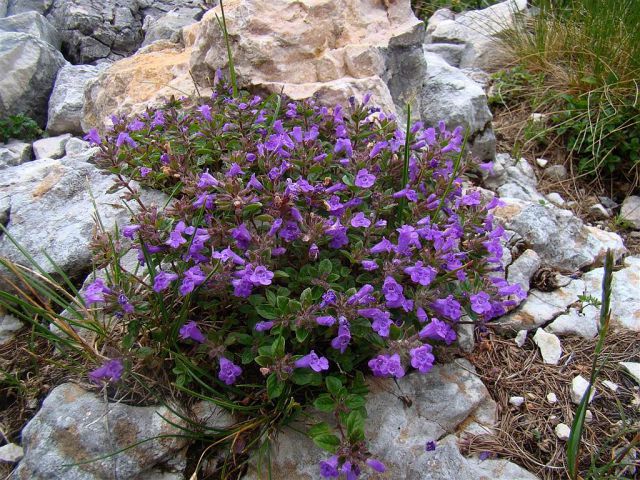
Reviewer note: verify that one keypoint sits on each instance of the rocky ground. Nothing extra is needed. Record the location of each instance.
(70, 64)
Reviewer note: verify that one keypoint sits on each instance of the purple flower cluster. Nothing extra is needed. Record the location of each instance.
(290, 227)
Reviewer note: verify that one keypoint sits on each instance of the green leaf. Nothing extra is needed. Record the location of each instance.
(277, 348)
(304, 376)
(318, 429)
(327, 442)
(266, 311)
(325, 267)
(302, 334)
(263, 360)
(334, 385)
(324, 403)
(294, 306)
(355, 426)
(355, 401)
(306, 297)
(274, 386)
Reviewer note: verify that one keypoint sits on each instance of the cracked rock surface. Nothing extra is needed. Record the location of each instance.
(449, 399)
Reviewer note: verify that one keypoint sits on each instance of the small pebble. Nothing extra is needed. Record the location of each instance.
(542, 162)
(588, 416)
(549, 345)
(11, 453)
(611, 386)
(537, 117)
(556, 199)
(633, 368)
(552, 397)
(516, 401)
(562, 431)
(579, 386)
(599, 212)
(521, 337)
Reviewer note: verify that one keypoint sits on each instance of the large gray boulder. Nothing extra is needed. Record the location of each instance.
(3, 8)
(513, 178)
(29, 67)
(169, 26)
(561, 240)
(34, 24)
(477, 31)
(75, 426)
(403, 418)
(50, 209)
(449, 95)
(94, 30)
(15, 7)
(67, 98)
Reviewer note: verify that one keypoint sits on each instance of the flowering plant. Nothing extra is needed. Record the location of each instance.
(302, 248)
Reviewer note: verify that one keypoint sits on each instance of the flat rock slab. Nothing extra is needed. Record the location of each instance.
(49, 208)
(75, 426)
(444, 400)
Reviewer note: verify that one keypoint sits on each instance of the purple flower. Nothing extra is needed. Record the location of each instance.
(192, 278)
(234, 170)
(439, 330)
(421, 358)
(430, 446)
(162, 281)
(325, 321)
(480, 303)
(378, 147)
(312, 361)
(190, 331)
(261, 276)
(341, 342)
(362, 296)
(386, 366)
(94, 293)
(364, 179)
(130, 230)
(255, 183)
(92, 137)
(369, 265)
(338, 234)
(381, 320)
(328, 298)
(207, 180)
(351, 471)
(228, 254)
(407, 193)
(175, 237)
(110, 371)
(314, 251)
(343, 145)
(228, 371)
(263, 326)
(158, 119)
(420, 274)
(242, 236)
(144, 171)
(205, 111)
(136, 125)
(407, 237)
(359, 220)
(448, 307)
(123, 137)
(123, 301)
(290, 232)
(383, 245)
(377, 465)
(329, 468)
(392, 291)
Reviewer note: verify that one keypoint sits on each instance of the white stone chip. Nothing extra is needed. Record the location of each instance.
(11, 453)
(611, 386)
(633, 368)
(521, 337)
(542, 162)
(562, 431)
(549, 345)
(579, 386)
(516, 401)
(552, 397)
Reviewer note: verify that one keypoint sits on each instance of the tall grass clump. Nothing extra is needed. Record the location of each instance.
(589, 53)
